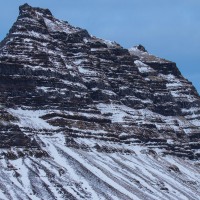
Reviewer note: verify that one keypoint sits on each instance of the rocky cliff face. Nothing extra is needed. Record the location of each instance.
(84, 118)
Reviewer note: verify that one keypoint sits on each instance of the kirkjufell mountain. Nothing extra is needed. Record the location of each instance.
(84, 118)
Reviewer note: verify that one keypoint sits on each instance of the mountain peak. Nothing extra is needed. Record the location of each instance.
(78, 113)
(141, 48)
(27, 9)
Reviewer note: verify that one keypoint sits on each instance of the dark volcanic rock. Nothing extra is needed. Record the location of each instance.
(47, 65)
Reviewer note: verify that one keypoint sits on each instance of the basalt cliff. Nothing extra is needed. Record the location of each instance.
(84, 118)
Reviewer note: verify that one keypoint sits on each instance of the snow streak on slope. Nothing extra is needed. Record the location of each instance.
(70, 173)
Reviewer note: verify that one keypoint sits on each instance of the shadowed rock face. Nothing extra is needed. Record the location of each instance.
(58, 81)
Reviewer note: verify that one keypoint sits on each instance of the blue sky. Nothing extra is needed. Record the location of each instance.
(168, 29)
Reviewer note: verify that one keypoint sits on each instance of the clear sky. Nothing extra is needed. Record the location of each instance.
(167, 28)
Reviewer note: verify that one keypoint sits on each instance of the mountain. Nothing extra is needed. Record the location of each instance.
(84, 118)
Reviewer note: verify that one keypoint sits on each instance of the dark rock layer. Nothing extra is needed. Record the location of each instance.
(57, 78)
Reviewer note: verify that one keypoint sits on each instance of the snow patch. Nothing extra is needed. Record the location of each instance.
(31, 118)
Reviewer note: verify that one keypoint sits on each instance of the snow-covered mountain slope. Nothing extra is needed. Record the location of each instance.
(84, 169)
(84, 118)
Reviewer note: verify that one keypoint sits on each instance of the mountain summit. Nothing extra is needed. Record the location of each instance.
(84, 118)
